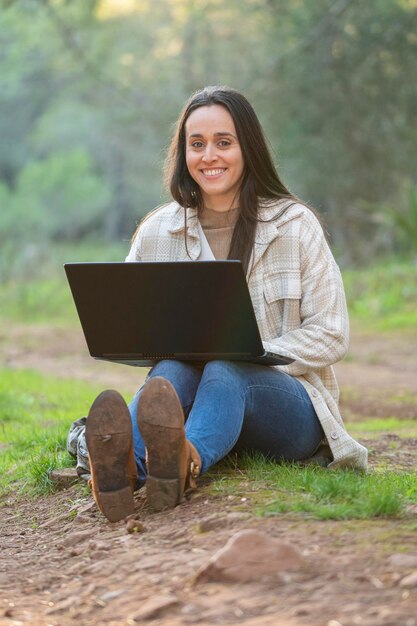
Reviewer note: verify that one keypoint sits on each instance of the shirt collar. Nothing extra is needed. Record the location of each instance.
(178, 221)
(272, 215)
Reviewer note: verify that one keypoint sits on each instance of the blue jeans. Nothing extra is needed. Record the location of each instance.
(238, 406)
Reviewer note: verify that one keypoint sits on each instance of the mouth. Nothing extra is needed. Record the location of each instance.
(213, 173)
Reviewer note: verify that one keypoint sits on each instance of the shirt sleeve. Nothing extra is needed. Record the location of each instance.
(323, 336)
(134, 252)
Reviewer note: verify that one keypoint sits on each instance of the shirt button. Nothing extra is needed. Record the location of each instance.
(315, 393)
(334, 434)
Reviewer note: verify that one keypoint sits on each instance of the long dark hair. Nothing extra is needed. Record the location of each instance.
(260, 179)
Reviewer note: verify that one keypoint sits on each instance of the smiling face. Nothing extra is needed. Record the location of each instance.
(214, 157)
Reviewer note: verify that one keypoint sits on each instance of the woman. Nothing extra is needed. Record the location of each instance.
(230, 203)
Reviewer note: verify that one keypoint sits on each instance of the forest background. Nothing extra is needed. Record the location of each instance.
(90, 90)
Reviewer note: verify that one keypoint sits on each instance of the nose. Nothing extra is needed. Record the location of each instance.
(209, 153)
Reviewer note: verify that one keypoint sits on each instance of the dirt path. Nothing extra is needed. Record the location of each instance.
(63, 564)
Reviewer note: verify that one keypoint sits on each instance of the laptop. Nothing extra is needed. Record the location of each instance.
(140, 313)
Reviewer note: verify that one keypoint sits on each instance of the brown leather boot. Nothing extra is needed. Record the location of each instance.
(173, 463)
(108, 433)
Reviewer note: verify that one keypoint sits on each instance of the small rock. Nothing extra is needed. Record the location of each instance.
(76, 551)
(134, 526)
(82, 519)
(405, 561)
(63, 605)
(188, 609)
(236, 516)
(55, 521)
(75, 538)
(409, 581)
(378, 584)
(210, 523)
(252, 556)
(154, 606)
(63, 478)
(299, 611)
(85, 508)
(88, 590)
(93, 544)
(111, 595)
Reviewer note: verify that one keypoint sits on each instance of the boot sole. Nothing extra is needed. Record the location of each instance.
(161, 423)
(108, 434)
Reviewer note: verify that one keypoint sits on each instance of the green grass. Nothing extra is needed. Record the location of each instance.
(375, 426)
(39, 292)
(35, 414)
(37, 410)
(38, 301)
(321, 493)
(383, 297)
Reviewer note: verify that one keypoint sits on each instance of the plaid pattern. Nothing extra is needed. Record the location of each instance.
(298, 296)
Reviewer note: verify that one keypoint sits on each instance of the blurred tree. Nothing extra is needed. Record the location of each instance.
(348, 119)
(334, 83)
(400, 221)
(59, 197)
(26, 85)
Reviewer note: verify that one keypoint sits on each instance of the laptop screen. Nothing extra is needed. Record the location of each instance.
(200, 307)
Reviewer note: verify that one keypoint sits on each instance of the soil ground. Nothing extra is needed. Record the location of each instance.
(63, 564)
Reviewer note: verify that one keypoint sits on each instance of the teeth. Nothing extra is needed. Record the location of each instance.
(213, 172)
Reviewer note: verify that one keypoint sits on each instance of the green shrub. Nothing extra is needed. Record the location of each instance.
(384, 295)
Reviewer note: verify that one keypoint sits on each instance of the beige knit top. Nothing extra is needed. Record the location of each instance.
(218, 228)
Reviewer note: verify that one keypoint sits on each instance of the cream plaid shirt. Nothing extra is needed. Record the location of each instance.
(298, 296)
